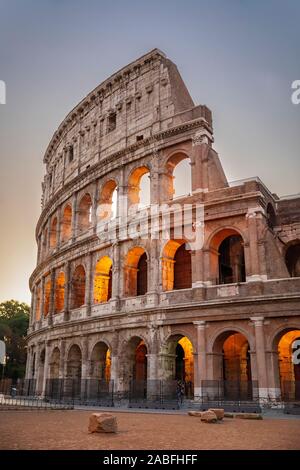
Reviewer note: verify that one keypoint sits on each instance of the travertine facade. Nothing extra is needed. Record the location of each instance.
(119, 308)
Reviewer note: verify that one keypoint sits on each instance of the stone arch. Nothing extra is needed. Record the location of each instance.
(100, 361)
(53, 232)
(74, 361)
(47, 296)
(135, 272)
(286, 371)
(133, 364)
(108, 200)
(54, 363)
(171, 187)
(292, 258)
(232, 364)
(227, 256)
(135, 181)
(177, 361)
(176, 266)
(66, 224)
(59, 295)
(45, 242)
(78, 287)
(85, 213)
(103, 280)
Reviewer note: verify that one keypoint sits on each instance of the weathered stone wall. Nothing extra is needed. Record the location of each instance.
(142, 119)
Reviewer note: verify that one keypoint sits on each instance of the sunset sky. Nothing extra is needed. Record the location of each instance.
(237, 57)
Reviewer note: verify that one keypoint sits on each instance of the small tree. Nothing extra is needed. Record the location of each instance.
(14, 320)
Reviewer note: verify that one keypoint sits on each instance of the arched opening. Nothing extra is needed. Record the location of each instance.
(232, 366)
(101, 362)
(103, 280)
(139, 187)
(227, 259)
(38, 303)
(45, 242)
(135, 272)
(59, 292)
(176, 266)
(177, 364)
(271, 216)
(47, 294)
(85, 213)
(107, 207)
(182, 178)
(292, 259)
(232, 260)
(74, 366)
(54, 364)
(289, 365)
(134, 367)
(178, 176)
(53, 233)
(78, 287)
(66, 226)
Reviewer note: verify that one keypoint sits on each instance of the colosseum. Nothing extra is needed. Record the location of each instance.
(152, 269)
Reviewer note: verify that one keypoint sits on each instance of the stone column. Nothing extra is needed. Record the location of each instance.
(89, 285)
(52, 298)
(254, 273)
(114, 367)
(116, 266)
(273, 375)
(61, 373)
(28, 362)
(32, 307)
(46, 367)
(58, 231)
(200, 366)
(74, 217)
(94, 207)
(153, 274)
(260, 356)
(67, 290)
(42, 298)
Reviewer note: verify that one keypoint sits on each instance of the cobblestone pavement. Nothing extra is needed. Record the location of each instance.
(68, 430)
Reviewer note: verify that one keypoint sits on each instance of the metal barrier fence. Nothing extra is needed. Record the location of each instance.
(80, 391)
(230, 395)
(160, 394)
(19, 387)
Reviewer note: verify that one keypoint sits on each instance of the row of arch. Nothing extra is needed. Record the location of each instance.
(232, 362)
(176, 265)
(227, 263)
(178, 172)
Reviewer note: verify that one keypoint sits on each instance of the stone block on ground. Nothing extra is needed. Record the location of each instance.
(219, 412)
(197, 414)
(248, 416)
(102, 422)
(209, 417)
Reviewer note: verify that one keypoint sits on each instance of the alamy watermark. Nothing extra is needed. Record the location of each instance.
(295, 97)
(296, 352)
(156, 222)
(2, 92)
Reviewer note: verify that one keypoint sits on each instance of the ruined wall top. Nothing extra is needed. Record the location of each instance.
(146, 97)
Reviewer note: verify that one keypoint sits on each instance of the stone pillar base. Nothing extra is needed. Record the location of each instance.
(256, 277)
(152, 299)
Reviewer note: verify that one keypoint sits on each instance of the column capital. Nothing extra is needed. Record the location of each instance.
(258, 321)
(200, 324)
